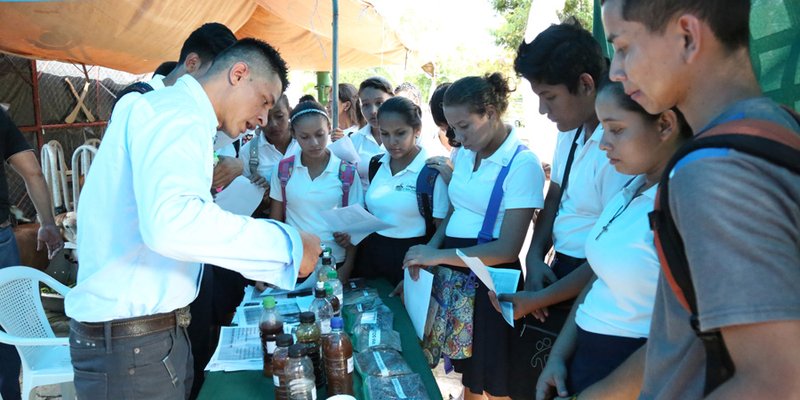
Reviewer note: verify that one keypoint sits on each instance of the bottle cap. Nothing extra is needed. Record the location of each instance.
(327, 260)
(297, 350)
(332, 274)
(337, 323)
(320, 293)
(320, 285)
(307, 317)
(285, 340)
(328, 289)
(268, 302)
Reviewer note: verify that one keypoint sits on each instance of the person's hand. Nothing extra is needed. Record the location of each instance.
(227, 169)
(49, 236)
(259, 180)
(552, 380)
(495, 300)
(398, 291)
(421, 255)
(523, 302)
(342, 239)
(539, 275)
(443, 165)
(336, 134)
(311, 251)
(260, 286)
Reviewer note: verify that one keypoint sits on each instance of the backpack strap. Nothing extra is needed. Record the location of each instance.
(426, 182)
(570, 159)
(763, 139)
(486, 233)
(374, 165)
(285, 168)
(253, 162)
(136, 87)
(347, 174)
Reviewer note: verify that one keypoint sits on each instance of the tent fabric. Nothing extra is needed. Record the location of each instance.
(137, 35)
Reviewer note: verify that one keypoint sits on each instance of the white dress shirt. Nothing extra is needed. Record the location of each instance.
(593, 181)
(307, 197)
(157, 83)
(393, 198)
(470, 191)
(268, 156)
(367, 147)
(624, 258)
(147, 221)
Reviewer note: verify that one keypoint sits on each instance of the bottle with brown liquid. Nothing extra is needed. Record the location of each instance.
(271, 325)
(308, 334)
(338, 354)
(279, 360)
(335, 304)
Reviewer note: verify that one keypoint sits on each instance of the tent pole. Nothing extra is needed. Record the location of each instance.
(334, 100)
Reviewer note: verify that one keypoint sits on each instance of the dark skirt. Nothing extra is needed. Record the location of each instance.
(596, 356)
(382, 257)
(493, 339)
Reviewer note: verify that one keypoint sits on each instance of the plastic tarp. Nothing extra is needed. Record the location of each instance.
(137, 35)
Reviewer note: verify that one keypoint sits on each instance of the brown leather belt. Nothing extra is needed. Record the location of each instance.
(133, 327)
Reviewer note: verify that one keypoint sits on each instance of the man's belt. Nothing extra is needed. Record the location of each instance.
(133, 327)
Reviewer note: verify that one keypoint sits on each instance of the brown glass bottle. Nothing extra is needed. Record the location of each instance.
(279, 359)
(338, 355)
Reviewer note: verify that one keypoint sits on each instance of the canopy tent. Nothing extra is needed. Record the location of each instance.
(137, 35)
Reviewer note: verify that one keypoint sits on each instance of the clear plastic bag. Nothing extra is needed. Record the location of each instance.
(351, 312)
(368, 337)
(395, 387)
(360, 296)
(380, 317)
(381, 362)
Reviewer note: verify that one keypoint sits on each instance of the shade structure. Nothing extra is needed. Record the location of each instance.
(137, 35)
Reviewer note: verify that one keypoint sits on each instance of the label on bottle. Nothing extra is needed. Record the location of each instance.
(374, 338)
(380, 363)
(350, 365)
(369, 317)
(276, 381)
(325, 326)
(271, 346)
(398, 389)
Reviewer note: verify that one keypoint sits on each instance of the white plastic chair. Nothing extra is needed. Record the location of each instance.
(54, 169)
(45, 357)
(81, 161)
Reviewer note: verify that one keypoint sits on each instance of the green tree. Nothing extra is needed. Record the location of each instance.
(582, 10)
(515, 13)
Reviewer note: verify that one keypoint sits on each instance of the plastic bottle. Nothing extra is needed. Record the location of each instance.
(322, 309)
(308, 335)
(299, 374)
(335, 304)
(338, 355)
(279, 360)
(325, 266)
(270, 325)
(338, 290)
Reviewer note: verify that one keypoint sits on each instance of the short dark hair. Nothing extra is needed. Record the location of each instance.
(306, 97)
(437, 112)
(258, 54)
(348, 92)
(728, 19)
(411, 113)
(559, 55)
(305, 106)
(477, 92)
(617, 91)
(377, 82)
(207, 42)
(165, 68)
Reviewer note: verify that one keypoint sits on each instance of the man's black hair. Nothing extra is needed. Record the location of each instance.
(207, 42)
(728, 19)
(559, 55)
(256, 53)
(165, 68)
(306, 97)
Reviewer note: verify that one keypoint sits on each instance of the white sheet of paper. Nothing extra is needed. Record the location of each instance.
(417, 296)
(499, 280)
(241, 197)
(222, 139)
(239, 349)
(344, 149)
(354, 220)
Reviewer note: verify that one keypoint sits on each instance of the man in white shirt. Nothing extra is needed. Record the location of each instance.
(148, 222)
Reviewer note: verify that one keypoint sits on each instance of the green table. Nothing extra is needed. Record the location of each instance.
(253, 385)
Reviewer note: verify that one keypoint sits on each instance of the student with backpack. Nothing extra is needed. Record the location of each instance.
(726, 321)
(312, 179)
(496, 186)
(372, 93)
(403, 191)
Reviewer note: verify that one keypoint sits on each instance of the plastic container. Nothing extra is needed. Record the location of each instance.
(335, 304)
(325, 265)
(381, 362)
(299, 374)
(322, 309)
(338, 290)
(395, 387)
(360, 296)
(337, 351)
(368, 337)
(279, 360)
(308, 334)
(380, 317)
(270, 325)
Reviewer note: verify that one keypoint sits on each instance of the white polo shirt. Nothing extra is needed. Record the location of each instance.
(147, 221)
(393, 198)
(367, 147)
(268, 156)
(593, 181)
(470, 191)
(306, 198)
(624, 258)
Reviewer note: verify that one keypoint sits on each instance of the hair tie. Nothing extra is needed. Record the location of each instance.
(310, 110)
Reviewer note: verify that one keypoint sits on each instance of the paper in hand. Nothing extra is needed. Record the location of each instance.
(498, 280)
(417, 298)
(345, 150)
(241, 197)
(354, 220)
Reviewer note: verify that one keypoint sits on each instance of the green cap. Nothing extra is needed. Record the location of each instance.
(268, 302)
(328, 288)
(332, 274)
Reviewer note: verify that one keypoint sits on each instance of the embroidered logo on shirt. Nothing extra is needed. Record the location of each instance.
(406, 188)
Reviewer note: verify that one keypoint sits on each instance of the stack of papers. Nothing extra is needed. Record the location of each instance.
(239, 349)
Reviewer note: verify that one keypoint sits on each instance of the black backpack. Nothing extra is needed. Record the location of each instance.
(136, 87)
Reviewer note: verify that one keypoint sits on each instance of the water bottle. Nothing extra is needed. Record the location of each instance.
(279, 360)
(322, 309)
(270, 325)
(338, 354)
(326, 265)
(299, 374)
(338, 290)
(308, 335)
(335, 305)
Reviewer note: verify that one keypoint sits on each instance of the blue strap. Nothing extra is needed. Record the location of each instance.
(697, 155)
(490, 218)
